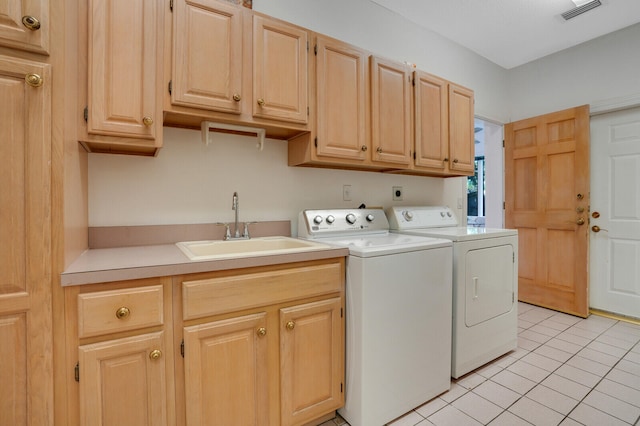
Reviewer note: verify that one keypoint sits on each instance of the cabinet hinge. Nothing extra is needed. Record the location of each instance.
(315, 50)
(503, 143)
(315, 142)
(76, 372)
(86, 114)
(504, 205)
(307, 46)
(307, 111)
(171, 5)
(170, 86)
(341, 388)
(341, 312)
(413, 82)
(182, 348)
(414, 155)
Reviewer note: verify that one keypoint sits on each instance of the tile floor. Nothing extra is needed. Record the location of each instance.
(566, 371)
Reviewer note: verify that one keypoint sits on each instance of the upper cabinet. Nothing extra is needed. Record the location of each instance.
(232, 65)
(24, 24)
(390, 112)
(444, 136)
(208, 62)
(340, 101)
(280, 76)
(124, 62)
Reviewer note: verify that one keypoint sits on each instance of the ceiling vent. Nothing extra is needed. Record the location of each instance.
(581, 9)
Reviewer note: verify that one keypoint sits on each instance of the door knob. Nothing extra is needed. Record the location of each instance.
(595, 228)
(580, 221)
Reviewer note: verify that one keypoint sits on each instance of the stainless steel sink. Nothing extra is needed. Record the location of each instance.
(261, 246)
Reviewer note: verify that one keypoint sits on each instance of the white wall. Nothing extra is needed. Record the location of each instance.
(191, 183)
(596, 72)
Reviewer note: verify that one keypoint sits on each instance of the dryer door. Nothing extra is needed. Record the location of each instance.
(489, 283)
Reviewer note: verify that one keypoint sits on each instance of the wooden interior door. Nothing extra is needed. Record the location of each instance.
(547, 201)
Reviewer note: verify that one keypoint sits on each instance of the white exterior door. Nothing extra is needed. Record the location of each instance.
(615, 212)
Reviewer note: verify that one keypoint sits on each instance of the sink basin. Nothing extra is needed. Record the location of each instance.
(261, 246)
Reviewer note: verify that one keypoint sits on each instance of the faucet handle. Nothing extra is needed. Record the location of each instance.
(227, 231)
(245, 233)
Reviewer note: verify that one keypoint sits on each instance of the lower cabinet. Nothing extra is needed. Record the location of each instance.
(274, 356)
(254, 346)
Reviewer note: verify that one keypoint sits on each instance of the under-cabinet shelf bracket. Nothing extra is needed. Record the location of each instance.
(208, 126)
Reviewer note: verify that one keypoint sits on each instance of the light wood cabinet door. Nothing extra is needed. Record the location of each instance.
(431, 95)
(24, 24)
(280, 70)
(207, 58)
(341, 91)
(390, 112)
(461, 134)
(122, 382)
(123, 62)
(26, 371)
(311, 360)
(225, 364)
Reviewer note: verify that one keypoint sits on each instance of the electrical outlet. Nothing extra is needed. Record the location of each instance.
(397, 193)
(346, 192)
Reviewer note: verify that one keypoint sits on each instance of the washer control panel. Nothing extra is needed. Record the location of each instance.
(317, 223)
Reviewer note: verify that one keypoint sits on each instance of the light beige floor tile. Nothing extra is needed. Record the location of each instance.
(589, 416)
(578, 376)
(477, 407)
(534, 336)
(509, 419)
(535, 412)
(552, 323)
(567, 336)
(553, 353)
(552, 399)
(545, 330)
(581, 332)
(598, 356)
(527, 344)
(540, 361)
(566, 387)
(613, 406)
(563, 345)
(525, 324)
(628, 367)
(488, 370)
(518, 353)
(431, 407)
(496, 393)
(505, 361)
(633, 357)
(570, 422)
(615, 341)
(620, 391)
(451, 416)
(607, 348)
(454, 393)
(589, 365)
(513, 381)
(470, 381)
(596, 323)
(410, 419)
(425, 422)
(565, 318)
(531, 372)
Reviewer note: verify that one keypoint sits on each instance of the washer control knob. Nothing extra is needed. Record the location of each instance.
(351, 218)
(370, 217)
(317, 220)
(408, 216)
(449, 214)
(442, 214)
(330, 219)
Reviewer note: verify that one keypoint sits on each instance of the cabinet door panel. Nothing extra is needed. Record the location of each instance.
(207, 63)
(311, 362)
(122, 67)
(26, 371)
(280, 76)
(342, 95)
(432, 121)
(15, 33)
(120, 383)
(226, 372)
(390, 112)
(461, 132)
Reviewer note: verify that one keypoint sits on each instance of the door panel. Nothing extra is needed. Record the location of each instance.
(615, 247)
(31, 35)
(547, 181)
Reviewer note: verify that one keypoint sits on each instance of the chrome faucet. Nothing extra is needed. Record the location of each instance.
(236, 232)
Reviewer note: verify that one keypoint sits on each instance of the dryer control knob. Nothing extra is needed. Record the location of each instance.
(330, 219)
(408, 216)
(370, 217)
(442, 214)
(351, 218)
(449, 214)
(317, 220)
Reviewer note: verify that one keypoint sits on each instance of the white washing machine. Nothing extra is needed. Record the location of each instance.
(485, 283)
(398, 313)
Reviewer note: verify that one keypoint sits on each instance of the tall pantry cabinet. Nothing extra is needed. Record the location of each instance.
(26, 382)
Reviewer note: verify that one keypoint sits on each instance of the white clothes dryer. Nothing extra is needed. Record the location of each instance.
(485, 283)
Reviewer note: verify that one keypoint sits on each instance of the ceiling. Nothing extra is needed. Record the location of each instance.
(514, 32)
